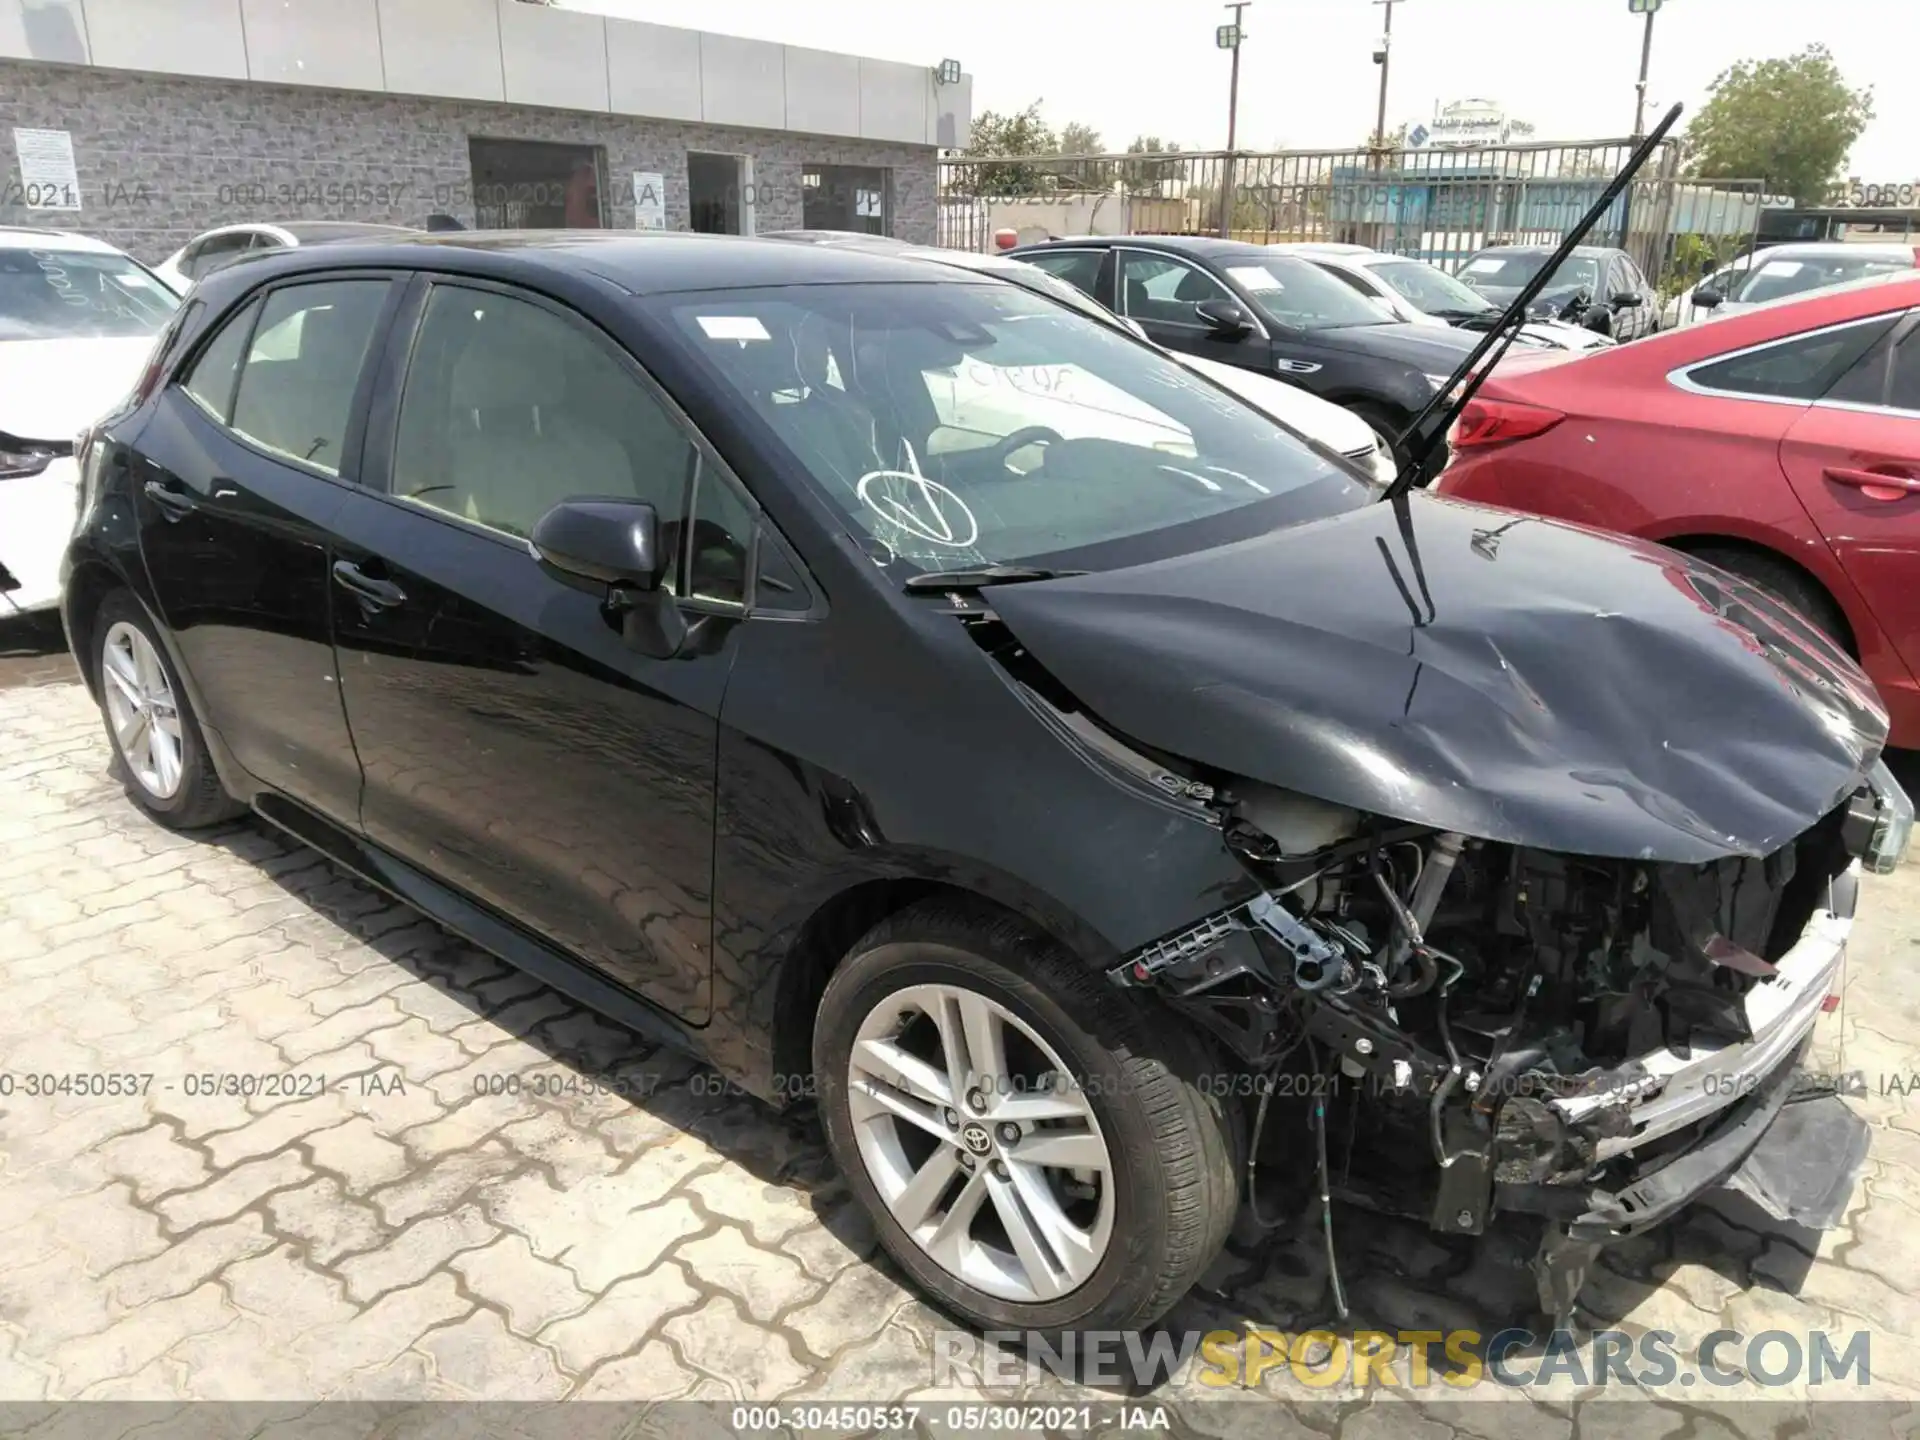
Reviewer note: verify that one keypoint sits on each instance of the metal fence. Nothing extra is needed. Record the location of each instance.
(1439, 205)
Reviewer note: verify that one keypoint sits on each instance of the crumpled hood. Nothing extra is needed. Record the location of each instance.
(1500, 675)
(52, 389)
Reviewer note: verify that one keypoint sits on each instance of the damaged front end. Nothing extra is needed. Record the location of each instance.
(1592, 1040)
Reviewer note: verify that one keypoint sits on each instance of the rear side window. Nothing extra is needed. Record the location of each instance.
(1079, 268)
(1801, 368)
(210, 381)
(303, 366)
(1888, 376)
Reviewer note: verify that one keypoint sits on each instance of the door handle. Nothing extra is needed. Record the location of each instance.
(371, 593)
(1875, 484)
(173, 504)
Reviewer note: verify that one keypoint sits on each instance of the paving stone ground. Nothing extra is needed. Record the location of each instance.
(422, 1195)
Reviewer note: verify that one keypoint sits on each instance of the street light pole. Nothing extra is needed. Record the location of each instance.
(1385, 57)
(1234, 33)
(1646, 61)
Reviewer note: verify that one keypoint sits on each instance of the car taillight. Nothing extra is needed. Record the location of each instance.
(1493, 422)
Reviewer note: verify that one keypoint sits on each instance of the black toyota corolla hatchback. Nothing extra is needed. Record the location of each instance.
(923, 700)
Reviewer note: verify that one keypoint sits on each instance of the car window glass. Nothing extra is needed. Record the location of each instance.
(1888, 376)
(211, 379)
(1803, 368)
(510, 409)
(296, 399)
(1079, 268)
(1160, 288)
(1796, 275)
(979, 403)
(722, 540)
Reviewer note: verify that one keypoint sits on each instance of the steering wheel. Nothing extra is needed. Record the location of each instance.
(1019, 440)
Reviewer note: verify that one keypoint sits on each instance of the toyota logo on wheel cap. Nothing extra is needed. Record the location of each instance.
(976, 1139)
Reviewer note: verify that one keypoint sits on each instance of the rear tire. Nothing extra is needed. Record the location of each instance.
(1123, 1159)
(159, 752)
(1788, 585)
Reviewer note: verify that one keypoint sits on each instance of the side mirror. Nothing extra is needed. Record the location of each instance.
(614, 547)
(1628, 300)
(1707, 298)
(1223, 317)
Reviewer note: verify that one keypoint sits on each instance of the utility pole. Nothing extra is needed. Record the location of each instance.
(1649, 8)
(1383, 57)
(1228, 37)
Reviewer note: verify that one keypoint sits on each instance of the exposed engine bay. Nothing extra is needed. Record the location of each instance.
(1479, 1023)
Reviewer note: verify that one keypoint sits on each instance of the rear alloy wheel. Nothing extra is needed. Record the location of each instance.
(1036, 1147)
(157, 743)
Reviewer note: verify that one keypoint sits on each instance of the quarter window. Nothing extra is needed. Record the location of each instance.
(211, 379)
(1802, 368)
(303, 366)
(509, 409)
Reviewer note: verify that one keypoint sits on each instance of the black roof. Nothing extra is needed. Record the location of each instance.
(642, 264)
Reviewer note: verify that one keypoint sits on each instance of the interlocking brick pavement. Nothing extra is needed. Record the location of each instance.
(410, 1229)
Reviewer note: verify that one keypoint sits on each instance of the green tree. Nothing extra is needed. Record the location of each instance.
(1143, 177)
(1078, 139)
(996, 137)
(1788, 122)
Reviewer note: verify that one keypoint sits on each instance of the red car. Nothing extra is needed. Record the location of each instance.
(1782, 444)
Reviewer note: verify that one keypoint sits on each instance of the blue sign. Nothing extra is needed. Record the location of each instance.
(1417, 136)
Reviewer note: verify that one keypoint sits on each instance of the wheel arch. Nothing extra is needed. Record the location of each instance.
(1695, 543)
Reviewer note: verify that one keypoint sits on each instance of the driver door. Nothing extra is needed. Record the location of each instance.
(1160, 292)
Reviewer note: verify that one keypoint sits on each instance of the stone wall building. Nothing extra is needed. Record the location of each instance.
(184, 115)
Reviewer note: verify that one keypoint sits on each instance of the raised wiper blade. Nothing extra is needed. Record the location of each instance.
(1423, 432)
(985, 575)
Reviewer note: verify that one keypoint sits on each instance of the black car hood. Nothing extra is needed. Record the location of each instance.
(1503, 676)
(1426, 347)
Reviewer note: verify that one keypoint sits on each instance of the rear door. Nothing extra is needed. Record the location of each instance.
(516, 748)
(1854, 460)
(248, 456)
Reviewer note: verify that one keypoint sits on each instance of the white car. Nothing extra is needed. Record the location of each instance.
(214, 248)
(973, 386)
(1782, 271)
(1424, 294)
(78, 321)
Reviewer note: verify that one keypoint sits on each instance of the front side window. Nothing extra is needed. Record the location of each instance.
(1160, 288)
(1079, 268)
(296, 389)
(510, 408)
(964, 424)
(78, 294)
(1802, 368)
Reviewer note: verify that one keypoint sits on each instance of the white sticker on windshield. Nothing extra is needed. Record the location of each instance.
(733, 327)
(1255, 277)
(1486, 265)
(1782, 268)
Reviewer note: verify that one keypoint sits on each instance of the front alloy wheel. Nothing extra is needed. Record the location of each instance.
(1038, 1149)
(982, 1146)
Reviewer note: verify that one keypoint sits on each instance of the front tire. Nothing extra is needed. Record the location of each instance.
(158, 749)
(1037, 1149)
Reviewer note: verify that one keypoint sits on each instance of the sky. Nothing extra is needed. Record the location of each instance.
(1307, 77)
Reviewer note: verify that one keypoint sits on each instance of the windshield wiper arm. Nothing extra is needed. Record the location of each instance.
(985, 575)
(1424, 431)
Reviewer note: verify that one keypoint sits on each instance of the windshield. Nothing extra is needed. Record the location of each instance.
(1430, 289)
(74, 294)
(1300, 294)
(962, 424)
(1777, 279)
(1511, 271)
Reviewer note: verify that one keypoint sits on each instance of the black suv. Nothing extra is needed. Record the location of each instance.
(1040, 786)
